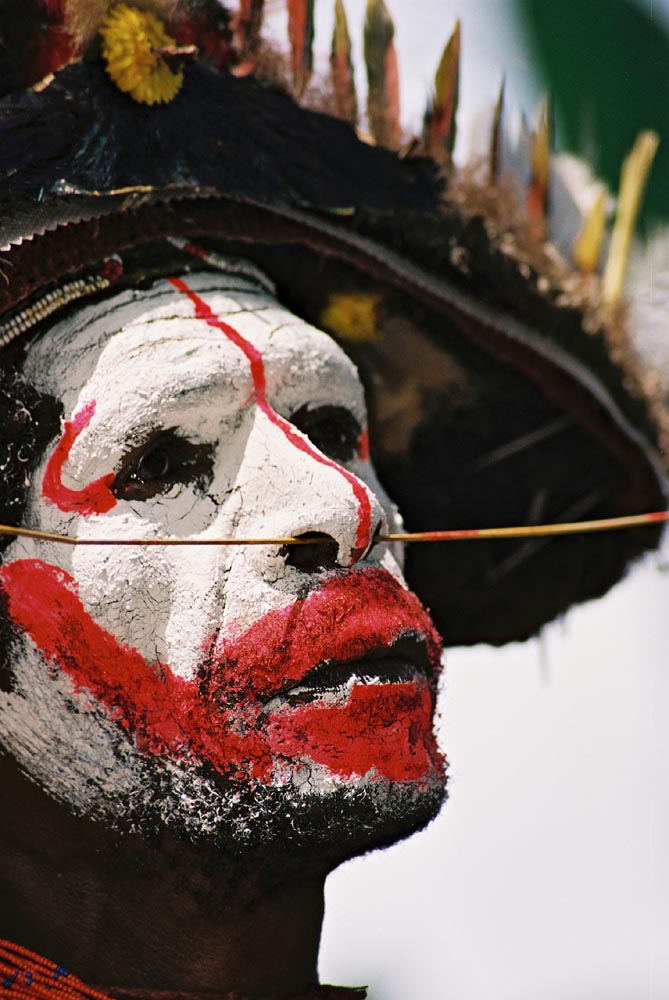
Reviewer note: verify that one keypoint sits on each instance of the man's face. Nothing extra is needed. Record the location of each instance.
(219, 690)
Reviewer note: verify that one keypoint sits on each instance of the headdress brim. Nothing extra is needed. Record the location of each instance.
(490, 403)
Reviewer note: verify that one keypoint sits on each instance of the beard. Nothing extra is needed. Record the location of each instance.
(308, 810)
(200, 837)
(203, 835)
(168, 817)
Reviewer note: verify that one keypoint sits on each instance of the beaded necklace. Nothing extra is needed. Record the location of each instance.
(25, 975)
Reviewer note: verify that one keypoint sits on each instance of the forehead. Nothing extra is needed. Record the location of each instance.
(152, 338)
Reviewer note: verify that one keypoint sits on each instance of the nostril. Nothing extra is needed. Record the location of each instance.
(319, 551)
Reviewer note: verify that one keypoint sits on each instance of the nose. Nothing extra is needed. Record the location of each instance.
(318, 551)
(334, 512)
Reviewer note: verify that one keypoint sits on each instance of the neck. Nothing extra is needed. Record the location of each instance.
(135, 916)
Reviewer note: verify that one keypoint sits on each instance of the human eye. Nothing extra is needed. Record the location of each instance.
(332, 429)
(162, 460)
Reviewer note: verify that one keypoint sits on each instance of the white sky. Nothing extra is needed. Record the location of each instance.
(422, 29)
(546, 877)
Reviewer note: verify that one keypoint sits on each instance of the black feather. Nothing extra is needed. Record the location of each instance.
(245, 141)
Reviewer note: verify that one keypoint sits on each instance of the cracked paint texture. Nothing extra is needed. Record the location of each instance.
(132, 664)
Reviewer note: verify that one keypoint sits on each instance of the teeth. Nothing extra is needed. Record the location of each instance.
(333, 683)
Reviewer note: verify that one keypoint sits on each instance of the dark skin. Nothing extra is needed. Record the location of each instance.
(129, 914)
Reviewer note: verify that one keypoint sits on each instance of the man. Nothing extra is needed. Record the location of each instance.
(225, 723)
(193, 736)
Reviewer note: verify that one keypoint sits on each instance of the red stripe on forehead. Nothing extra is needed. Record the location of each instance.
(257, 367)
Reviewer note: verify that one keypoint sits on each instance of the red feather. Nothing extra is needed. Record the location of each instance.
(301, 34)
(248, 24)
(341, 65)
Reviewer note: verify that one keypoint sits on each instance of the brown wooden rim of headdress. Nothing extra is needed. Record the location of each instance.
(569, 383)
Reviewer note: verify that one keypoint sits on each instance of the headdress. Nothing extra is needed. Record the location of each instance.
(501, 389)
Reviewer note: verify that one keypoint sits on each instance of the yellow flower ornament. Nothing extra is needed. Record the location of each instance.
(135, 46)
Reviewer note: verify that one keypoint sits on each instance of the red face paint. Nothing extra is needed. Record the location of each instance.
(363, 446)
(96, 498)
(254, 357)
(220, 717)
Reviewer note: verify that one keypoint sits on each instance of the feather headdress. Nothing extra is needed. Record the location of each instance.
(502, 386)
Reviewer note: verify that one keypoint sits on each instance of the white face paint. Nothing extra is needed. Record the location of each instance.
(178, 685)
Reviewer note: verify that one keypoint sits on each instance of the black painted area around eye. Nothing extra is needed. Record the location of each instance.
(332, 429)
(160, 461)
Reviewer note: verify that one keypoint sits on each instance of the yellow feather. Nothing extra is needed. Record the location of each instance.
(633, 178)
(353, 316)
(588, 244)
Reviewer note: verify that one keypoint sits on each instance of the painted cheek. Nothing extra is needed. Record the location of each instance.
(164, 713)
(96, 497)
(257, 368)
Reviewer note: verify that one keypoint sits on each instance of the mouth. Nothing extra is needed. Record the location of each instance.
(353, 667)
(356, 624)
(402, 662)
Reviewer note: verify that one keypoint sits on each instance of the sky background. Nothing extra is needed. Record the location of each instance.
(546, 877)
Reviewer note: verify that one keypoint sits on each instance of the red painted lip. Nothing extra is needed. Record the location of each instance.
(402, 661)
(355, 615)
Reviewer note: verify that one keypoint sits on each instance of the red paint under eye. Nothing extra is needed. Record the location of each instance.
(257, 366)
(96, 497)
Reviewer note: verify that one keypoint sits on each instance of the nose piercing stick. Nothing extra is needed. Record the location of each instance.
(456, 535)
